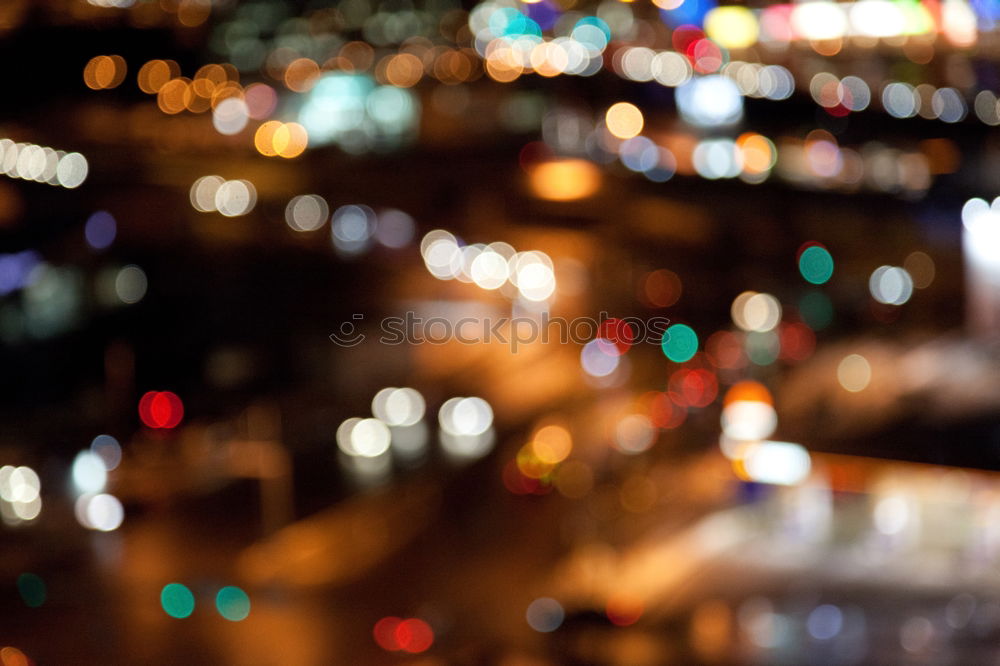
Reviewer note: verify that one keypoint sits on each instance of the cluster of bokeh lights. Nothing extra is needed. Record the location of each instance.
(20, 494)
(497, 266)
(409, 635)
(231, 198)
(161, 409)
(41, 164)
(231, 602)
(361, 111)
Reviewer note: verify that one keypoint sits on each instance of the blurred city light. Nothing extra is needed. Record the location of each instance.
(540, 332)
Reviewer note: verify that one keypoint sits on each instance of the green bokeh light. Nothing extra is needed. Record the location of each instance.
(680, 343)
(177, 600)
(816, 310)
(763, 348)
(32, 589)
(232, 603)
(816, 264)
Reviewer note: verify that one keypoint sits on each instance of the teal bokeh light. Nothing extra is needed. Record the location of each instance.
(816, 310)
(351, 110)
(232, 603)
(31, 587)
(177, 600)
(816, 264)
(680, 343)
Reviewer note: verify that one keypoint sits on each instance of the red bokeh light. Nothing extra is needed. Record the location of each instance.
(838, 111)
(384, 633)
(623, 611)
(797, 342)
(662, 411)
(615, 336)
(161, 409)
(724, 350)
(660, 288)
(805, 246)
(693, 388)
(685, 35)
(414, 635)
(396, 634)
(705, 56)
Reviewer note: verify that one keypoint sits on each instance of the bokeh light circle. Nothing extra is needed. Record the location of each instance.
(232, 603)
(680, 343)
(545, 615)
(177, 600)
(816, 264)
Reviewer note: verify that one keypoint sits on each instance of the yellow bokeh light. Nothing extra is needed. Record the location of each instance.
(290, 140)
(192, 13)
(103, 72)
(748, 391)
(232, 74)
(502, 67)
(732, 27)
(565, 180)
(759, 153)
(358, 55)
(552, 444)
(263, 139)
(195, 101)
(11, 656)
(155, 73)
(854, 373)
(301, 75)
(531, 465)
(404, 70)
(624, 120)
(502, 64)
(172, 96)
(208, 78)
(549, 59)
(453, 67)
(225, 91)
